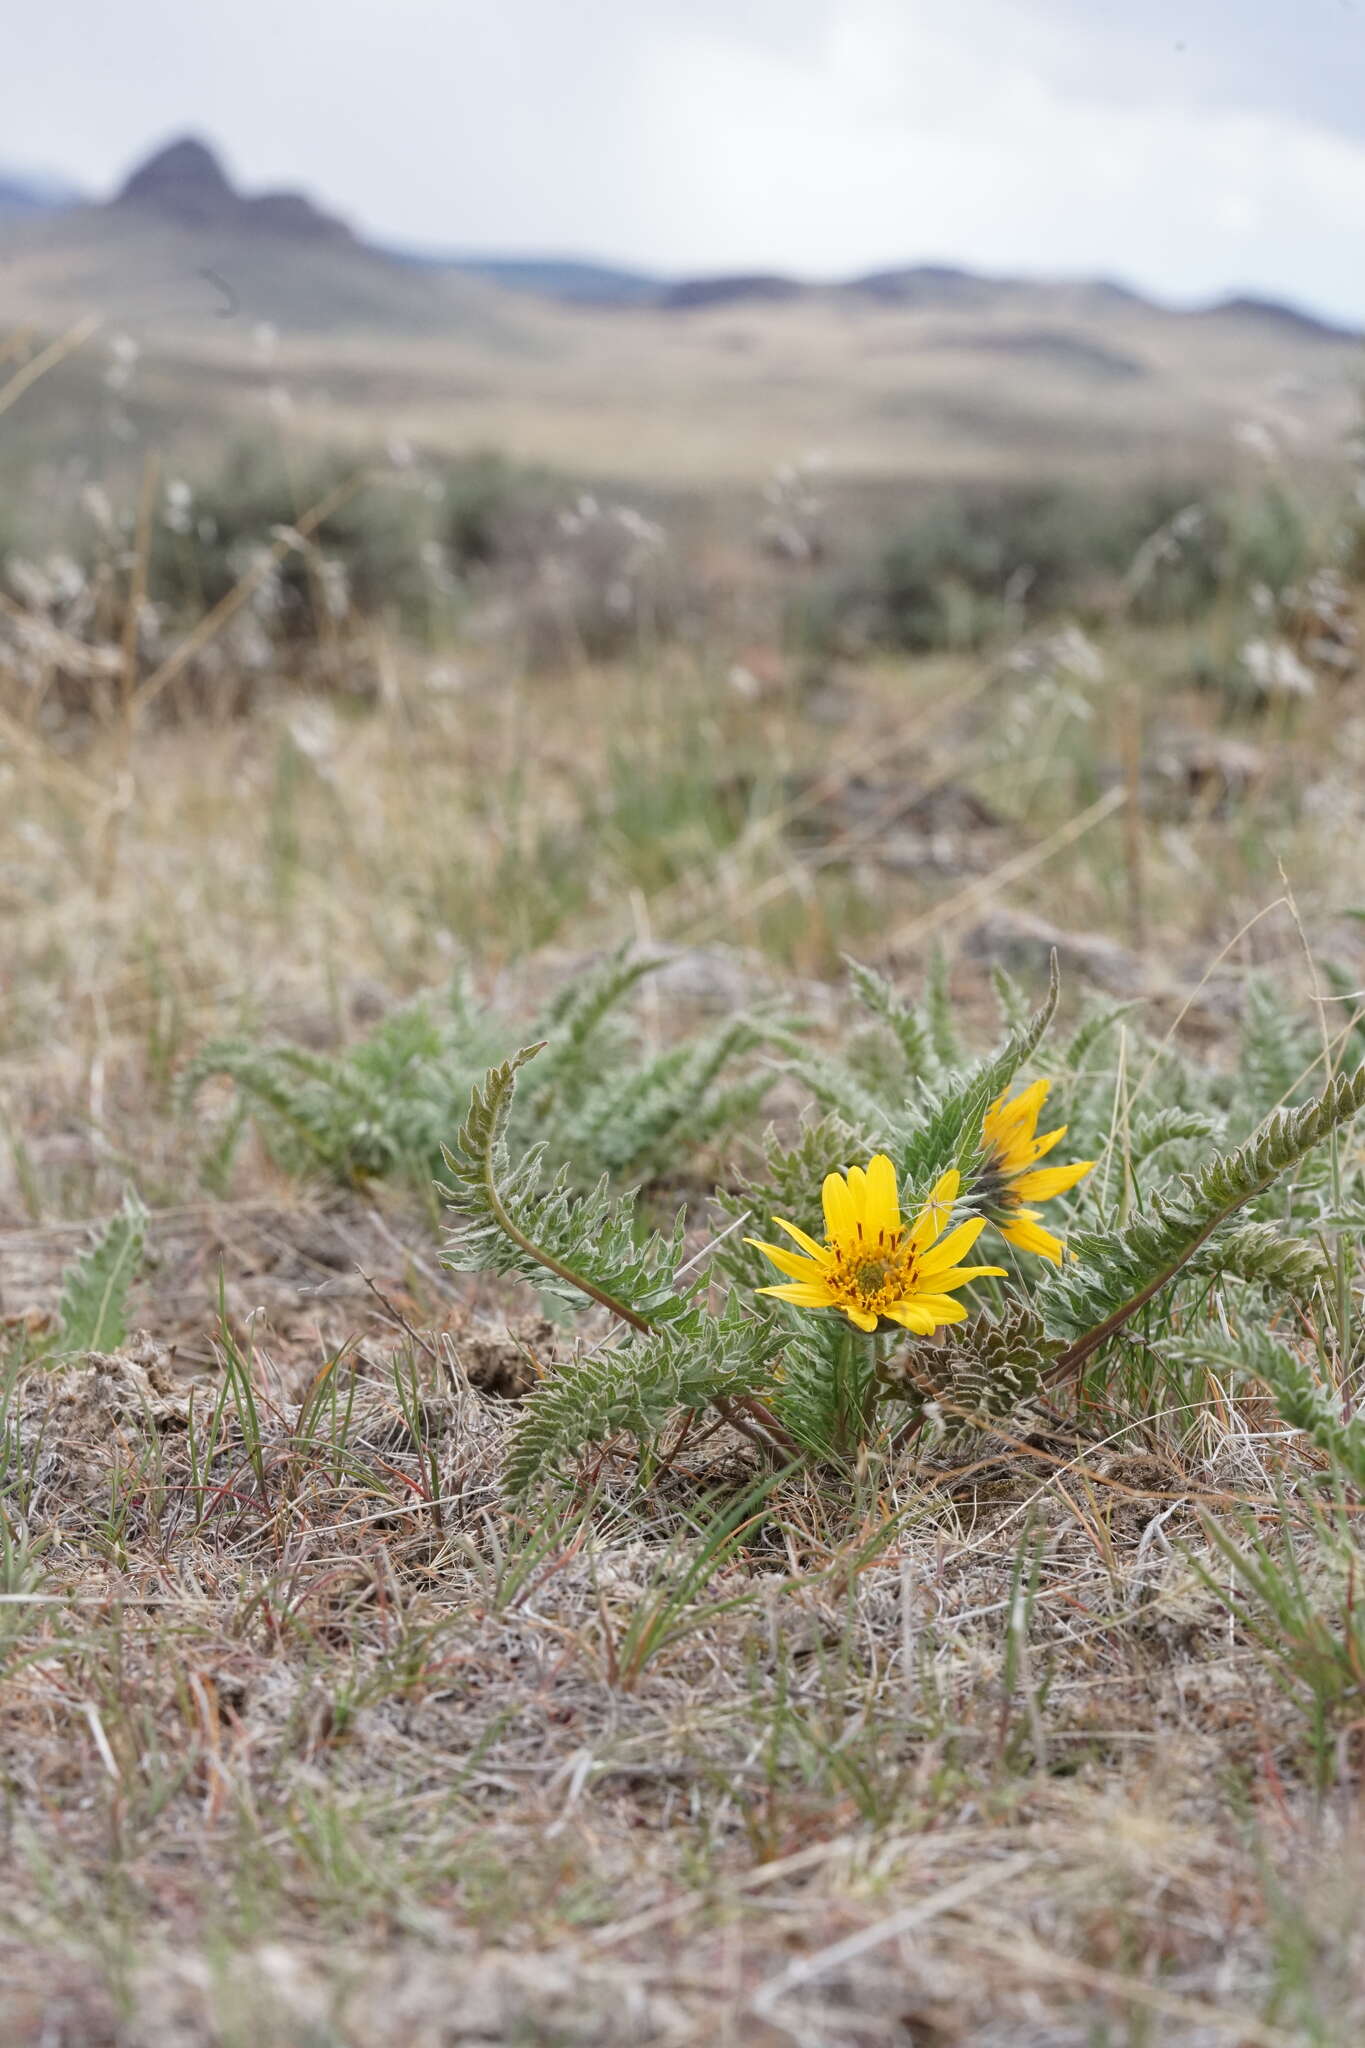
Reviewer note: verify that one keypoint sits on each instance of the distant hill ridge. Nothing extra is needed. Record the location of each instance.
(939, 287)
(181, 247)
(24, 195)
(184, 183)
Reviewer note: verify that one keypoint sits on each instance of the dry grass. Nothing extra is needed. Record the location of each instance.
(361, 350)
(306, 1738)
(305, 1735)
(303, 869)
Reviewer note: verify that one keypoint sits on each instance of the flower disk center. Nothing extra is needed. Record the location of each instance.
(872, 1280)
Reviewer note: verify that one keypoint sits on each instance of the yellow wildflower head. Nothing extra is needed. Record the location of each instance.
(873, 1267)
(1012, 1176)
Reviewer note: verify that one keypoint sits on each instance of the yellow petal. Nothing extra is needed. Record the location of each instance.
(857, 1193)
(1030, 1237)
(805, 1295)
(860, 1316)
(1029, 1101)
(941, 1307)
(958, 1276)
(936, 1211)
(953, 1246)
(883, 1215)
(787, 1262)
(1042, 1146)
(1010, 1123)
(807, 1244)
(838, 1205)
(911, 1316)
(1046, 1181)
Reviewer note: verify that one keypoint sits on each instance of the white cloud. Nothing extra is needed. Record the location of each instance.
(902, 140)
(1192, 145)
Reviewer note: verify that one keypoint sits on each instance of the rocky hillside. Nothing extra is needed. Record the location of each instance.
(186, 183)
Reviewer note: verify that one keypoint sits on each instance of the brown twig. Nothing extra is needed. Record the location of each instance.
(395, 1315)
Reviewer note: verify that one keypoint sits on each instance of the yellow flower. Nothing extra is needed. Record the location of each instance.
(871, 1266)
(1012, 1176)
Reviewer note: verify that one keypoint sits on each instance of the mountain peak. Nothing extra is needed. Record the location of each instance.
(184, 178)
(184, 181)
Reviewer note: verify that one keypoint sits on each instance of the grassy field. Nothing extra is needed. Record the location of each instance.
(398, 1645)
(199, 335)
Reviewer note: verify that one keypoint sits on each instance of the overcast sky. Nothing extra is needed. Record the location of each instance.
(1191, 146)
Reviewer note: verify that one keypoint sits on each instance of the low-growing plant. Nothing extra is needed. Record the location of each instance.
(382, 1108)
(1292, 1589)
(92, 1314)
(913, 1157)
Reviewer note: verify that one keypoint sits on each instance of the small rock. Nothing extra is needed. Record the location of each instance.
(1023, 944)
(1208, 773)
(135, 1384)
(504, 1363)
